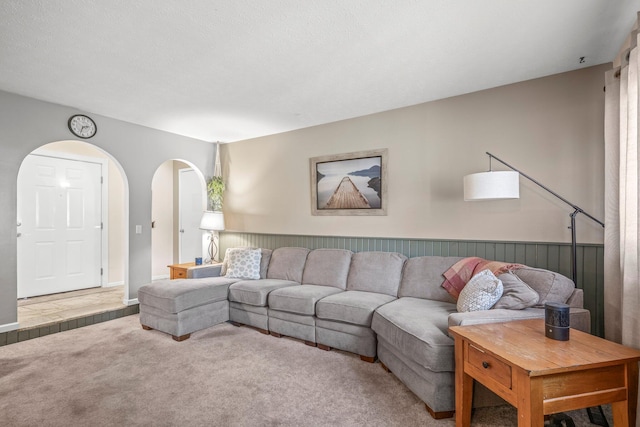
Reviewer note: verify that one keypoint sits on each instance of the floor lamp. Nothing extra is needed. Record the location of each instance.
(212, 221)
(494, 185)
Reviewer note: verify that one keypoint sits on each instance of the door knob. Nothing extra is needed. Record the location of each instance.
(182, 230)
(19, 234)
(19, 224)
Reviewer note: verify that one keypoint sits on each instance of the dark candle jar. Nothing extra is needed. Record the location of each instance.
(556, 321)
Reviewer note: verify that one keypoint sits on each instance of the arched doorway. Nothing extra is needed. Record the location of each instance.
(51, 179)
(178, 199)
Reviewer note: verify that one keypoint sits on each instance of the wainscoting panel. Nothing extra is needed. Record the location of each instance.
(551, 256)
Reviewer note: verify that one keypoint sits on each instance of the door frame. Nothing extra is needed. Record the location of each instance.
(197, 173)
(104, 200)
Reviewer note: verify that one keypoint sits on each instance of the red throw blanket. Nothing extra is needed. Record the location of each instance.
(462, 271)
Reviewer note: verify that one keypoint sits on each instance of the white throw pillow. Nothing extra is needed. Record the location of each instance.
(480, 293)
(225, 260)
(243, 263)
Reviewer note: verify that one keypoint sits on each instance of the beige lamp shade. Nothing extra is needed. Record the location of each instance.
(492, 185)
(212, 221)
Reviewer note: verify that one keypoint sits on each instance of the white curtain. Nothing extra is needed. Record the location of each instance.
(622, 218)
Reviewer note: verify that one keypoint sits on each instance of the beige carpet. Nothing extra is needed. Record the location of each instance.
(114, 373)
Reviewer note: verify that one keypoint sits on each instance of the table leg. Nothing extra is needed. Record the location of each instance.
(624, 412)
(620, 412)
(464, 388)
(530, 400)
(632, 391)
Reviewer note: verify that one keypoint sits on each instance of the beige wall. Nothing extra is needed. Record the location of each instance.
(550, 128)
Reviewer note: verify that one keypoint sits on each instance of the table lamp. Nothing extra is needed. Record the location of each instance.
(212, 221)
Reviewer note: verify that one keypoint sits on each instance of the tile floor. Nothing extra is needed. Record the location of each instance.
(50, 314)
(47, 310)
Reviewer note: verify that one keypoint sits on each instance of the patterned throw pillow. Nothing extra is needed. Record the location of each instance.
(243, 264)
(481, 292)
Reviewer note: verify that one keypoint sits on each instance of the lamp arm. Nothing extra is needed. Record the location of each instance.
(574, 206)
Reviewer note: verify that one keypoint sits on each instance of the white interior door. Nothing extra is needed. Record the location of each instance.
(191, 205)
(59, 225)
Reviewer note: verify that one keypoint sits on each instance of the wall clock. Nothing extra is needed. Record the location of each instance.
(82, 126)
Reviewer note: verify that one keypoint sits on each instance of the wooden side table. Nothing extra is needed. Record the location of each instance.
(541, 376)
(181, 271)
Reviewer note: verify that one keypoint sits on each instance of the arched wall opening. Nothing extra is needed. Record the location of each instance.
(116, 220)
(170, 225)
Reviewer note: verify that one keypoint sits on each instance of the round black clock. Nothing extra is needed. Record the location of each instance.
(82, 126)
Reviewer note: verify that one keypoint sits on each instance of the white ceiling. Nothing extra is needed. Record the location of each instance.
(227, 70)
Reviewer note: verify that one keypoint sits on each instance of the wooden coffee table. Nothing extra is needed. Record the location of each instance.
(541, 376)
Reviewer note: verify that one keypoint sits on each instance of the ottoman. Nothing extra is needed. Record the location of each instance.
(179, 307)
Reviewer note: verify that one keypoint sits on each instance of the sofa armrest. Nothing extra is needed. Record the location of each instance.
(212, 270)
(576, 300)
(580, 318)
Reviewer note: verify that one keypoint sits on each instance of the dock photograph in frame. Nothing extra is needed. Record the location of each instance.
(349, 184)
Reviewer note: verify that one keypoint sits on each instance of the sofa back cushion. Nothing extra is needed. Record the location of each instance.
(327, 267)
(516, 295)
(422, 278)
(550, 286)
(287, 264)
(376, 272)
(264, 262)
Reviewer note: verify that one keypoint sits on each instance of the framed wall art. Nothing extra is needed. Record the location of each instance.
(349, 184)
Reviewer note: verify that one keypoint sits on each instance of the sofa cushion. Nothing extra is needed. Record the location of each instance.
(287, 264)
(264, 261)
(354, 307)
(300, 299)
(327, 267)
(255, 292)
(418, 328)
(174, 296)
(378, 272)
(550, 286)
(481, 292)
(422, 278)
(516, 294)
(244, 264)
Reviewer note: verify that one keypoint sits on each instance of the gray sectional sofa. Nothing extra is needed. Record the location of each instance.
(374, 304)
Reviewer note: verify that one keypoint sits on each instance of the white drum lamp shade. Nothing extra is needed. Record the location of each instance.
(212, 221)
(493, 185)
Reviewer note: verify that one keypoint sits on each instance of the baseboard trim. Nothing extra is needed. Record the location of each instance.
(8, 327)
(130, 302)
(112, 284)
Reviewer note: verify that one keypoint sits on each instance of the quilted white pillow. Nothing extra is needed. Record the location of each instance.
(243, 264)
(480, 293)
(225, 260)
